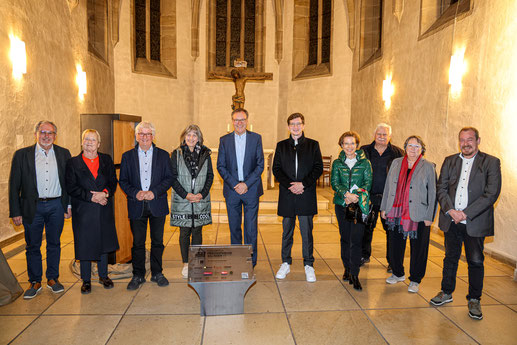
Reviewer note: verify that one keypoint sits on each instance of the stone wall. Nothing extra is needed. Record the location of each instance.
(423, 105)
(56, 39)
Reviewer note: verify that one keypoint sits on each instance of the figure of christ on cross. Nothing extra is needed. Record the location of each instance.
(240, 77)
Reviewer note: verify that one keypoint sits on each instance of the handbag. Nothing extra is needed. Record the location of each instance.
(354, 214)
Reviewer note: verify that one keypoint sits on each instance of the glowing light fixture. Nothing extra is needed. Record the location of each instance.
(456, 71)
(18, 57)
(80, 79)
(387, 91)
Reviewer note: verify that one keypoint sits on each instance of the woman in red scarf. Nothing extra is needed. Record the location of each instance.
(409, 205)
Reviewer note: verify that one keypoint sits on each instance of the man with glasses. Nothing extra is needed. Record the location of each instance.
(240, 163)
(381, 152)
(145, 177)
(468, 187)
(38, 200)
(297, 167)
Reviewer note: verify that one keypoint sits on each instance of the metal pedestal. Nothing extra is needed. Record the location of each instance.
(222, 297)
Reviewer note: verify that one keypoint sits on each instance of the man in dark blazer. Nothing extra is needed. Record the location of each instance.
(240, 163)
(145, 177)
(297, 166)
(468, 187)
(38, 199)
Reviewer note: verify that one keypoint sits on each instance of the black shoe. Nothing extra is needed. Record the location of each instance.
(355, 281)
(86, 288)
(388, 269)
(364, 261)
(135, 282)
(160, 279)
(346, 275)
(106, 282)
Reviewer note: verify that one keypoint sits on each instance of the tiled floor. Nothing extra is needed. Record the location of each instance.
(276, 312)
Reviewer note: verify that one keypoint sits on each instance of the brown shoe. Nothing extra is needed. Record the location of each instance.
(55, 286)
(32, 291)
(106, 282)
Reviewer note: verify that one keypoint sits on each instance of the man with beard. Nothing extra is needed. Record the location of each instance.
(468, 187)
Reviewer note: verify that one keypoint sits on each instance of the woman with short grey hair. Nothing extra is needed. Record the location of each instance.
(192, 177)
(409, 205)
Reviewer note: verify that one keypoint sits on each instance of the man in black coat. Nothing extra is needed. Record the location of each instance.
(38, 199)
(297, 166)
(380, 153)
(145, 177)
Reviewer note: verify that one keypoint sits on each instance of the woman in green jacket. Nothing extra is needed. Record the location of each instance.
(192, 177)
(351, 181)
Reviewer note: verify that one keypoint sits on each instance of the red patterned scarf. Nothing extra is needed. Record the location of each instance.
(398, 217)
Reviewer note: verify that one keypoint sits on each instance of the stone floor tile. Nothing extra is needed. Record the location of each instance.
(417, 326)
(176, 298)
(76, 329)
(323, 271)
(274, 252)
(249, 329)
(65, 274)
(504, 289)
(371, 270)
(513, 306)
(172, 252)
(99, 301)
(158, 329)
(377, 294)
(333, 328)
(263, 297)
(172, 271)
(325, 227)
(263, 271)
(497, 327)
(328, 251)
(490, 270)
(11, 326)
(270, 237)
(18, 267)
(329, 237)
(320, 295)
(36, 305)
(68, 252)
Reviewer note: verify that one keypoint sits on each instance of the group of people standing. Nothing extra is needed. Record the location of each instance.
(47, 185)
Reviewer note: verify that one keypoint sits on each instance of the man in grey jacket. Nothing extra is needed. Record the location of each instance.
(468, 187)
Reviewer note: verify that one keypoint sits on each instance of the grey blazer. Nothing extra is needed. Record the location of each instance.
(484, 188)
(422, 190)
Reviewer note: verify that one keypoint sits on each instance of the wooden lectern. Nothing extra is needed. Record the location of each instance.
(117, 133)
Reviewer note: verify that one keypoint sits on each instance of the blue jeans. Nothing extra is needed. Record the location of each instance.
(49, 216)
(234, 208)
(454, 238)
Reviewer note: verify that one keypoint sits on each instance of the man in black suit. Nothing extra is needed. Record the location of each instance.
(468, 187)
(38, 199)
(297, 166)
(145, 177)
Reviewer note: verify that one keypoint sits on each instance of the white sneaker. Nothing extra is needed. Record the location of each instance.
(284, 269)
(184, 271)
(393, 279)
(413, 287)
(309, 274)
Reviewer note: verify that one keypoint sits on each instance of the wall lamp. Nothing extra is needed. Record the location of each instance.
(387, 91)
(18, 57)
(80, 79)
(457, 69)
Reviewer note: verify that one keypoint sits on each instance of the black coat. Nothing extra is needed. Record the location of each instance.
(23, 190)
(93, 224)
(310, 167)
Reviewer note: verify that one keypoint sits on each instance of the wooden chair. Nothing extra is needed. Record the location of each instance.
(325, 176)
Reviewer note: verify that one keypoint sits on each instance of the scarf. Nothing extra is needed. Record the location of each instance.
(398, 217)
(192, 158)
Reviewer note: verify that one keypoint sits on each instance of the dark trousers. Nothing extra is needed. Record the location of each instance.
(307, 240)
(49, 215)
(102, 268)
(368, 235)
(474, 246)
(234, 208)
(139, 230)
(418, 255)
(197, 238)
(351, 241)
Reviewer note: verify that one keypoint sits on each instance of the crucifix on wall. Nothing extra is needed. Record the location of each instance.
(240, 76)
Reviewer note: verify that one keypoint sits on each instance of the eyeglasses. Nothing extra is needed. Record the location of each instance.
(413, 146)
(239, 120)
(145, 134)
(49, 133)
